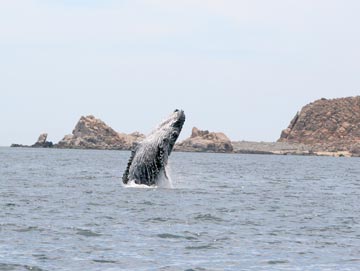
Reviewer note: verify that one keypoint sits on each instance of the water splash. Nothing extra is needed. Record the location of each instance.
(132, 184)
(163, 181)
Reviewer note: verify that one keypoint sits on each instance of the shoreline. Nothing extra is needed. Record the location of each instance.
(240, 147)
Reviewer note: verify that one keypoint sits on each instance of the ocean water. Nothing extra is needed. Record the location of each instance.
(67, 210)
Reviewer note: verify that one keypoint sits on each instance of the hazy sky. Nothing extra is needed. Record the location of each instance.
(241, 67)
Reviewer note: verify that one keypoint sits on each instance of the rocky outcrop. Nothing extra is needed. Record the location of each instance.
(15, 145)
(205, 141)
(93, 133)
(327, 126)
(130, 139)
(42, 143)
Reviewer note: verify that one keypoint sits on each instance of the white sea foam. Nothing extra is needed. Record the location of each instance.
(165, 181)
(161, 182)
(132, 184)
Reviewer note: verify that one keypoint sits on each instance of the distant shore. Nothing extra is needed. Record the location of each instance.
(324, 127)
(241, 147)
(283, 148)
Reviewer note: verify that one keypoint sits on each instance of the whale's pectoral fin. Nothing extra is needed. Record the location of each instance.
(125, 177)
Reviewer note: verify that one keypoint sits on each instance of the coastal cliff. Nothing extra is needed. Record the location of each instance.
(327, 126)
(93, 133)
(205, 141)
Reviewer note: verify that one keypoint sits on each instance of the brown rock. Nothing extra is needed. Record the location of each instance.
(205, 141)
(42, 143)
(93, 133)
(327, 125)
(42, 138)
(130, 139)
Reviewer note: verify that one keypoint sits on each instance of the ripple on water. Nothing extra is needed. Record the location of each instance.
(87, 233)
(40, 257)
(161, 220)
(27, 229)
(169, 236)
(208, 217)
(201, 247)
(157, 219)
(273, 262)
(10, 205)
(18, 267)
(175, 236)
(104, 261)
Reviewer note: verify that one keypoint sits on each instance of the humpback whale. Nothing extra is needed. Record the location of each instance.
(149, 157)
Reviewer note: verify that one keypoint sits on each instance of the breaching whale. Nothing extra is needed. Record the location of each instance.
(149, 157)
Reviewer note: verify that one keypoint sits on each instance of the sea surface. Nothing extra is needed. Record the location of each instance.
(68, 210)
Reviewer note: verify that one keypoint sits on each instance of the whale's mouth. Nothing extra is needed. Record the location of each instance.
(180, 119)
(176, 128)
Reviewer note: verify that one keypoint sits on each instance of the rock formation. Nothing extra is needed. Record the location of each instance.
(327, 125)
(42, 143)
(205, 141)
(93, 133)
(15, 145)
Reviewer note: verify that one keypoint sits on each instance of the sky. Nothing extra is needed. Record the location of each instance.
(240, 67)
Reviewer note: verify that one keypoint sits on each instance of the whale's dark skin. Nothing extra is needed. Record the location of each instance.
(150, 156)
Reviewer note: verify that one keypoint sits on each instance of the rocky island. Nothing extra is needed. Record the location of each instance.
(328, 127)
(323, 127)
(205, 141)
(93, 133)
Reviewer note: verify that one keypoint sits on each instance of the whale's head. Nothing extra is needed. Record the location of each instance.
(168, 131)
(150, 156)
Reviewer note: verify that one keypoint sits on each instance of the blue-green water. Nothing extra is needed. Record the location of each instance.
(67, 210)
